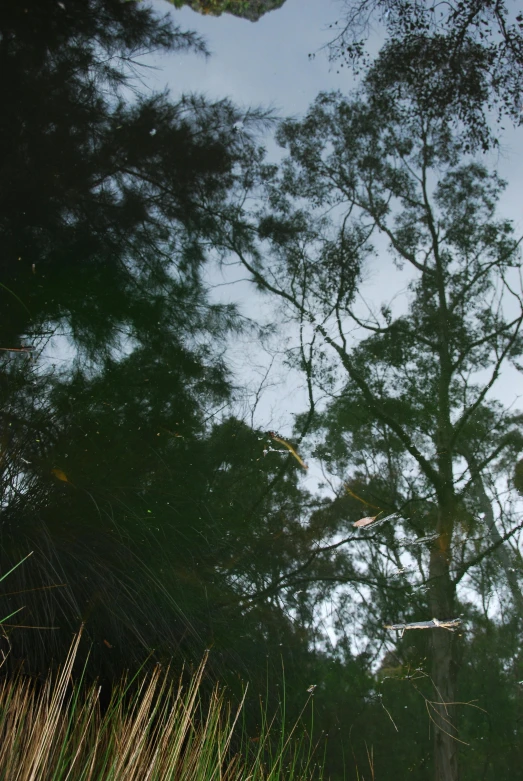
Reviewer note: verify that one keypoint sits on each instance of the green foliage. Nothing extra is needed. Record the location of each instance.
(125, 188)
(461, 61)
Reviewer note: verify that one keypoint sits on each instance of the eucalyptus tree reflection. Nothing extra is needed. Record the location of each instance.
(410, 425)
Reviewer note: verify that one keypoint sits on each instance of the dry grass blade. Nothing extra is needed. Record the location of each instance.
(58, 734)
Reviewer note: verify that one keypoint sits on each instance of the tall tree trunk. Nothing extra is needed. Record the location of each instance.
(444, 654)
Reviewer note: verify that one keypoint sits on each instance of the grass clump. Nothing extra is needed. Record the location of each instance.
(164, 730)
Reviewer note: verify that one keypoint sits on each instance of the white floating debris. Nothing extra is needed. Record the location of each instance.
(450, 624)
(418, 540)
(401, 570)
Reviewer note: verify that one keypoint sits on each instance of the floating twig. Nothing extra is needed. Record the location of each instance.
(363, 501)
(17, 349)
(419, 540)
(289, 447)
(451, 624)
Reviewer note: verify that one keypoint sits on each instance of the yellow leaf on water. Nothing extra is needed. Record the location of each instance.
(60, 475)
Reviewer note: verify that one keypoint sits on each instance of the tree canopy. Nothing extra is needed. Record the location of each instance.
(101, 191)
(407, 424)
(465, 59)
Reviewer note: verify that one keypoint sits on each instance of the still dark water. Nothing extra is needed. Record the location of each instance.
(139, 460)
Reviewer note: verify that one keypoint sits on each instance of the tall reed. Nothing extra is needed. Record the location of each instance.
(159, 731)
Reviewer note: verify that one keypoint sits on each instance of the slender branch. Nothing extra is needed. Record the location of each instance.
(478, 342)
(425, 465)
(462, 571)
(460, 424)
(383, 227)
(478, 468)
(482, 272)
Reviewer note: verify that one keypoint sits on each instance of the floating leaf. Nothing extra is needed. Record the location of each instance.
(365, 521)
(374, 520)
(60, 475)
